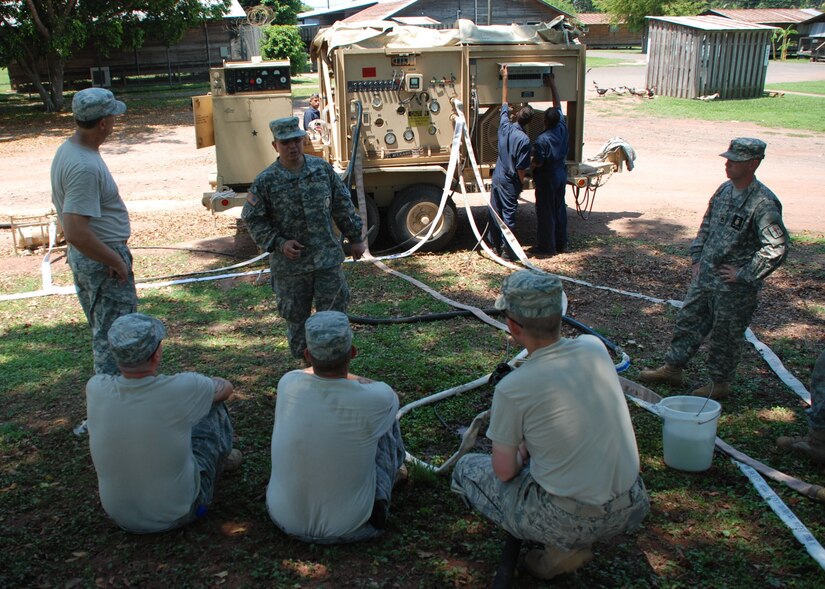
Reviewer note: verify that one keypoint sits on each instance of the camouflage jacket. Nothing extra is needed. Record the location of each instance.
(744, 231)
(302, 205)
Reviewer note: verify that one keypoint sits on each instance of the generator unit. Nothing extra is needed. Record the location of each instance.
(394, 92)
(244, 97)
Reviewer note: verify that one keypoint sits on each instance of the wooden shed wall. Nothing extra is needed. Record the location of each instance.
(685, 62)
(605, 35)
(188, 56)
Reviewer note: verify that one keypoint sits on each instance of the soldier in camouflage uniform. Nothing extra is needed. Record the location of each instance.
(813, 443)
(289, 213)
(565, 465)
(95, 220)
(741, 241)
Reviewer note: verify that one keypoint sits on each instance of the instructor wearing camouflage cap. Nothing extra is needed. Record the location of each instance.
(95, 222)
(289, 213)
(565, 467)
(742, 240)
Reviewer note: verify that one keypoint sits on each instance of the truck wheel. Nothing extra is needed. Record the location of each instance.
(412, 211)
(373, 220)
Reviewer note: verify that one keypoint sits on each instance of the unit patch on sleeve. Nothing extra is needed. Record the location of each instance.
(775, 230)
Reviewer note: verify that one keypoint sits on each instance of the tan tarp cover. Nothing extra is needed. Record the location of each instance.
(390, 35)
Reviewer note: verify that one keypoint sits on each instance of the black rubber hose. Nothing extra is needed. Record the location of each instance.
(356, 136)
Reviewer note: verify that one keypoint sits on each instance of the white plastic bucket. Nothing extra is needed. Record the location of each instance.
(689, 431)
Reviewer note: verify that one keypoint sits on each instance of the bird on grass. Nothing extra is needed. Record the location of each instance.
(600, 91)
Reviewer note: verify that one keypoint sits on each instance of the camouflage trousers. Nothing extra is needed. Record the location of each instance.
(389, 457)
(211, 443)
(526, 510)
(295, 294)
(816, 412)
(725, 314)
(103, 299)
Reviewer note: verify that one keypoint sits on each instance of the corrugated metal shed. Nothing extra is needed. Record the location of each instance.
(692, 56)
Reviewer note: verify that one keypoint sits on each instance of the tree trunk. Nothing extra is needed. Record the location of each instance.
(56, 70)
(52, 96)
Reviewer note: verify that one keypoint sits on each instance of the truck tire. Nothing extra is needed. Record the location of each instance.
(373, 220)
(411, 212)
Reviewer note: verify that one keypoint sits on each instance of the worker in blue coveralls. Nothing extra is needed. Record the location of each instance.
(511, 167)
(550, 176)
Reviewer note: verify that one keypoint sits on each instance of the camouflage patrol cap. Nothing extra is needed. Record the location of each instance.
(743, 149)
(329, 335)
(95, 103)
(531, 294)
(286, 128)
(133, 338)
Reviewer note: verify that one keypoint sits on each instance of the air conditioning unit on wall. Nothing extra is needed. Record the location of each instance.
(101, 76)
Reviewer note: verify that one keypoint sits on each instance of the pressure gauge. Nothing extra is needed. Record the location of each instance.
(389, 138)
(435, 108)
(409, 135)
(376, 102)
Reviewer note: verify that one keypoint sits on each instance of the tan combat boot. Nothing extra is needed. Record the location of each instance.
(812, 444)
(715, 390)
(553, 561)
(665, 374)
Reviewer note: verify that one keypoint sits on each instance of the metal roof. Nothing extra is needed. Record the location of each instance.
(595, 18)
(337, 8)
(380, 11)
(385, 10)
(766, 15)
(711, 23)
(415, 20)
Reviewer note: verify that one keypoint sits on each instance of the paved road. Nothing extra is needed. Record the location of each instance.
(633, 74)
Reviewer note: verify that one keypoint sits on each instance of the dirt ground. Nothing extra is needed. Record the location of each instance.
(677, 168)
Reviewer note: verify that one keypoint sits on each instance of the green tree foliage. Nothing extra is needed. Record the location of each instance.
(284, 42)
(633, 12)
(781, 40)
(565, 5)
(284, 12)
(42, 34)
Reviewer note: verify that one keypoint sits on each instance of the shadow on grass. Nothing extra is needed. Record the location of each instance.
(706, 528)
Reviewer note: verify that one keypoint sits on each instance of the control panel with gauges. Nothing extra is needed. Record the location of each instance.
(406, 108)
(250, 77)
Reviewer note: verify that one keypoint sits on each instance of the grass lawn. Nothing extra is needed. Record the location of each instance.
(813, 87)
(788, 111)
(609, 62)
